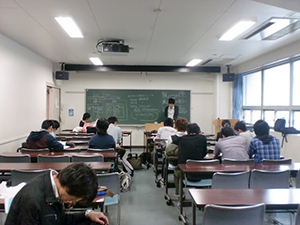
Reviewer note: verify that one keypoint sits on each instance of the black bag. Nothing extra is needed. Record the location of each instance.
(135, 161)
(279, 125)
(146, 158)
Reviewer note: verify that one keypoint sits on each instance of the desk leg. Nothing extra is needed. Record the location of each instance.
(181, 215)
(194, 213)
(130, 141)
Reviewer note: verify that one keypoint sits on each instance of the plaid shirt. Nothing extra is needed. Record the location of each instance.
(264, 151)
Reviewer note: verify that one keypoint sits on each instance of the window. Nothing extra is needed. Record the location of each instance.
(256, 115)
(296, 120)
(269, 117)
(252, 89)
(296, 82)
(277, 86)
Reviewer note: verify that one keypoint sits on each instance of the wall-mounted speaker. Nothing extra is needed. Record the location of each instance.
(61, 75)
(228, 77)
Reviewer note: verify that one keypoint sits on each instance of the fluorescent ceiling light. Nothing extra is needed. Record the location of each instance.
(96, 61)
(194, 62)
(236, 30)
(69, 26)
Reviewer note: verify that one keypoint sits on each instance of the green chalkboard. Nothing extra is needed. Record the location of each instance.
(135, 106)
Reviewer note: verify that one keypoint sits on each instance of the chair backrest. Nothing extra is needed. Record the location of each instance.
(52, 158)
(297, 219)
(238, 180)
(34, 150)
(195, 177)
(15, 158)
(101, 150)
(19, 176)
(263, 179)
(87, 158)
(298, 180)
(236, 161)
(277, 161)
(110, 180)
(229, 215)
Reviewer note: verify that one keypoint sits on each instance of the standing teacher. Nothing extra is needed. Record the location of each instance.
(172, 110)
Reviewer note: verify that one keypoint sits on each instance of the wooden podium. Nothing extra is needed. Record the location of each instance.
(218, 124)
(153, 126)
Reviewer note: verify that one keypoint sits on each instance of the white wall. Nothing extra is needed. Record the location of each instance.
(24, 76)
(203, 95)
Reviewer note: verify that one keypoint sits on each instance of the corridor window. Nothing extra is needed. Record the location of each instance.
(277, 86)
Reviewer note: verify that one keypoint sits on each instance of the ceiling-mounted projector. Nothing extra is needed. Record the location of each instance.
(112, 46)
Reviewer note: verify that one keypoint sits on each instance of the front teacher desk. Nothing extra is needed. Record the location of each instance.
(148, 133)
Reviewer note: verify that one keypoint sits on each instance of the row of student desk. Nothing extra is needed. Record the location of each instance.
(211, 169)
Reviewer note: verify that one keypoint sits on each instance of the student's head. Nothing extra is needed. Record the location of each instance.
(56, 124)
(261, 128)
(77, 181)
(168, 122)
(227, 131)
(181, 124)
(171, 102)
(86, 116)
(193, 128)
(48, 125)
(102, 126)
(240, 126)
(112, 119)
(226, 123)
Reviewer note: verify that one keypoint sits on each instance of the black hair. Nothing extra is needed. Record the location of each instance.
(193, 128)
(112, 119)
(168, 122)
(86, 116)
(261, 128)
(102, 126)
(240, 125)
(171, 101)
(227, 131)
(226, 123)
(181, 124)
(56, 124)
(79, 180)
(47, 123)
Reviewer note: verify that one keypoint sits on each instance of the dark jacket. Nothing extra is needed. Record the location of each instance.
(176, 111)
(42, 139)
(36, 204)
(102, 141)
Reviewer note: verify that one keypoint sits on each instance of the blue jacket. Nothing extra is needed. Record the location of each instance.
(42, 139)
(102, 142)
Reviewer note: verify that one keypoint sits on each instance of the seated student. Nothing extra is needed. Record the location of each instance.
(166, 131)
(116, 132)
(263, 146)
(86, 116)
(225, 123)
(180, 125)
(56, 125)
(231, 146)
(102, 140)
(43, 200)
(191, 146)
(43, 139)
(241, 129)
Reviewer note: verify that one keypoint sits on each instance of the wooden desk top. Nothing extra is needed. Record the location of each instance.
(126, 132)
(7, 167)
(196, 168)
(277, 198)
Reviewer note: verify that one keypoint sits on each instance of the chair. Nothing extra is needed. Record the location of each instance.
(19, 176)
(203, 181)
(101, 150)
(87, 158)
(15, 158)
(231, 180)
(52, 158)
(297, 219)
(24, 150)
(112, 182)
(262, 179)
(277, 161)
(234, 215)
(236, 161)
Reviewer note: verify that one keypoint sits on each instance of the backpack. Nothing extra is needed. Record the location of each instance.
(135, 161)
(125, 181)
(279, 125)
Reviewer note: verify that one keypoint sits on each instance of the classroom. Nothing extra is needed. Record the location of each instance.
(30, 92)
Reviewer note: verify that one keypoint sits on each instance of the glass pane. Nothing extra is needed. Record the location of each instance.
(285, 115)
(277, 86)
(256, 115)
(247, 116)
(252, 89)
(269, 117)
(297, 120)
(296, 82)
